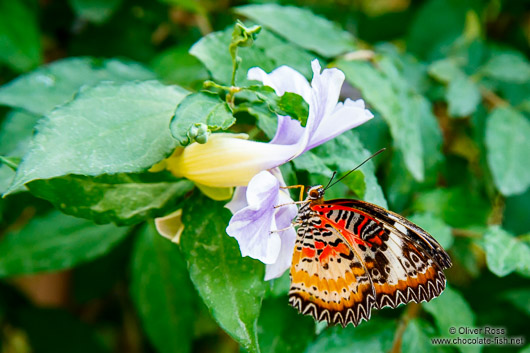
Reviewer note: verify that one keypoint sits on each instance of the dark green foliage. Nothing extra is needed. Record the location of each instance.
(93, 93)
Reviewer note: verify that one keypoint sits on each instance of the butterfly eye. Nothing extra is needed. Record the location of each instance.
(313, 194)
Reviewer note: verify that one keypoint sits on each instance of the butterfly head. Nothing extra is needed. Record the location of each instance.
(316, 194)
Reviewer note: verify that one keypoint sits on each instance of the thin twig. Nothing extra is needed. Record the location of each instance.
(493, 99)
(465, 233)
(411, 312)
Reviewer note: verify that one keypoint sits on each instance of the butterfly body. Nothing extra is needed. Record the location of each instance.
(351, 256)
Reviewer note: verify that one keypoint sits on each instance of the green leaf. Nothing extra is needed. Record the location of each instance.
(267, 121)
(526, 349)
(409, 80)
(97, 11)
(6, 176)
(507, 146)
(313, 163)
(434, 226)
(199, 108)
(52, 85)
(231, 286)
(445, 70)
(8, 167)
(463, 96)
(110, 128)
(417, 338)
(375, 336)
(283, 52)
(120, 198)
(16, 133)
(399, 185)
(11, 162)
(514, 218)
(355, 182)
(458, 207)
(466, 253)
(289, 104)
(449, 310)
(436, 25)
(519, 298)
(294, 106)
(505, 253)
(212, 51)
(400, 107)
(20, 43)
(162, 292)
(431, 138)
(56, 330)
(176, 66)
(268, 52)
(55, 242)
(282, 329)
(278, 287)
(301, 27)
(509, 67)
(344, 153)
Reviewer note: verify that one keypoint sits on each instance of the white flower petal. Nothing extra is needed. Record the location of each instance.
(262, 190)
(239, 200)
(347, 116)
(325, 93)
(283, 79)
(289, 131)
(252, 225)
(283, 261)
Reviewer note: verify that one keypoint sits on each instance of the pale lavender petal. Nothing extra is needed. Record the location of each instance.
(325, 93)
(284, 218)
(347, 116)
(289, 131)
(239, 200)
(285, 214)
(283, 79)
(283, 262)
(252, 225)
(324, 97)
(278, 175)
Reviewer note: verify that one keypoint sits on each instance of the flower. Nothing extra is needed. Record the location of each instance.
(256, 221)
(232, 160)
(170, 226)
(262, 230)
(255, 216)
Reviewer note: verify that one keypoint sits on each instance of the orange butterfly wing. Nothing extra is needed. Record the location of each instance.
(351, 256)
(328, 281)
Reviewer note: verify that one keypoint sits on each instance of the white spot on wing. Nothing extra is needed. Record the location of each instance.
(392, 217)
(401, 227)
(393, 254)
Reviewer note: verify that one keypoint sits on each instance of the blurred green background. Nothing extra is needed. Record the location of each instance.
(462, 62)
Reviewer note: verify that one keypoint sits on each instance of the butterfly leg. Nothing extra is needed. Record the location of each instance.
(291, 203)
(301, 187)
(293, 223)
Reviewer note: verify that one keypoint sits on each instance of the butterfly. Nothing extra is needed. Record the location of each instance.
(351, 256)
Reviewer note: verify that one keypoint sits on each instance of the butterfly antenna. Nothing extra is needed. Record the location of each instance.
(330, 180)
(354, 169)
